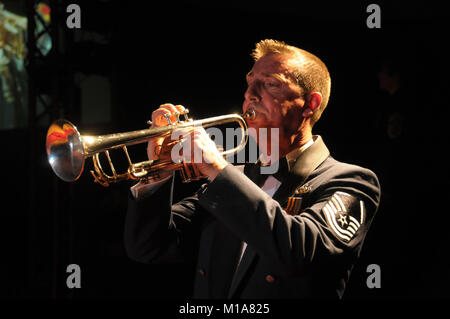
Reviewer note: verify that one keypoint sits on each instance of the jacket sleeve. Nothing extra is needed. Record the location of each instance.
(157, 231)
(289, 242)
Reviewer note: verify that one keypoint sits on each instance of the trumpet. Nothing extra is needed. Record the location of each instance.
(67, 149)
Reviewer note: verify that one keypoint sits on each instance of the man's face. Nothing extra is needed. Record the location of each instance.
(274, 95)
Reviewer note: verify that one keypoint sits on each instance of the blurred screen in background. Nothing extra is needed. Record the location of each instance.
(13, 52)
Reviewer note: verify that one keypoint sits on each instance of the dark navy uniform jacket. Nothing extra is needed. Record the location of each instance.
(306, 253)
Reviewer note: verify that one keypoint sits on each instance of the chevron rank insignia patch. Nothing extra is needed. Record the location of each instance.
(344, 214)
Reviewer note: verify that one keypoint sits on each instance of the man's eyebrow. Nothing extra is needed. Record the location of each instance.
(265, 74)
(270, 75)
(277, 76)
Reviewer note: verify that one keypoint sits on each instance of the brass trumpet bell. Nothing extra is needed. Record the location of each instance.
(67, 149)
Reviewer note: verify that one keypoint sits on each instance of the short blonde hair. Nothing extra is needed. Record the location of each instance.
(310, 72)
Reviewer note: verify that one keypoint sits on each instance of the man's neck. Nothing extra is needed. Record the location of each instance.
(293, 156)
(295, 143)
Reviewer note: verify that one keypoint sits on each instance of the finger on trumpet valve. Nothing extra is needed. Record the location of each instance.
(177, 115)
(167, 116)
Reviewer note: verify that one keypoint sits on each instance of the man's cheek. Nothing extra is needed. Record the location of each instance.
(294, 114)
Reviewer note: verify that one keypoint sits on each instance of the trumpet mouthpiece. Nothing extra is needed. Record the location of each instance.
(249, 115)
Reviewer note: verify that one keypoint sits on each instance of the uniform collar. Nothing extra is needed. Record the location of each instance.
(292, 156)
(305, 164)
(287, 163)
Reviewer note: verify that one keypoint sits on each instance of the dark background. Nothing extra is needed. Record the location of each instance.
(197, 55)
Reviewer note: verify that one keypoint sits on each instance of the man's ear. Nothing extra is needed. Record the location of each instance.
(312, 103)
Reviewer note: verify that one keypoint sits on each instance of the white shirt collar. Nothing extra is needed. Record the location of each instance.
(291, 156)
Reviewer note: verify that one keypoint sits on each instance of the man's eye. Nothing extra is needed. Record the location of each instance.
(271, 84)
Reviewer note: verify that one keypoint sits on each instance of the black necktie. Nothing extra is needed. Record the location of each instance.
(254, 172)
(283, 170)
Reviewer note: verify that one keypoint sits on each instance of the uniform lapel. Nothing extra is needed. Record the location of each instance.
(252, 171)
(305, 164)
(225, 251)
(244, 265)
(224, 259)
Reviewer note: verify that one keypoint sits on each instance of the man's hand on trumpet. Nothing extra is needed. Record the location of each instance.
(159, 118)
(198, 150)
(195, 147)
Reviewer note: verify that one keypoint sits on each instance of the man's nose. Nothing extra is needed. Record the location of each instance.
(252, 94)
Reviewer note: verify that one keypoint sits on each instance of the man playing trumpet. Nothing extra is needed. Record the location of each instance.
(294, 234)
